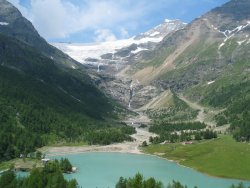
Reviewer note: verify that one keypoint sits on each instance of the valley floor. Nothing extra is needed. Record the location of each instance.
(140, 136)
(125, 147)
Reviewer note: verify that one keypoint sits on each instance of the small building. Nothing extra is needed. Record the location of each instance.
(45, 161)
(74, 169)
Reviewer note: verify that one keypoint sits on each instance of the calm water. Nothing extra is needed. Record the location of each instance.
(102, 170)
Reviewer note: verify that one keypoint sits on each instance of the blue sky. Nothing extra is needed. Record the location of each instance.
(105, 20)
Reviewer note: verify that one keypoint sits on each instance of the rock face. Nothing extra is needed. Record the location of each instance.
(107, 62)
(117, 54)
(201, 52)
(21, 29)
(172, 55)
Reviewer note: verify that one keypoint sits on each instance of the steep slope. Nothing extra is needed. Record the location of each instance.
(108, 61)
(204, 48)
(209, 62)
(18, 27)
(41, 99)
(114, 55)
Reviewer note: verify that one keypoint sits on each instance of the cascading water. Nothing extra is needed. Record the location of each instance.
(131, 94)
(98, 70)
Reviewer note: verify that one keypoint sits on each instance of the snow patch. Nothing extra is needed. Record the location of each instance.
(167, 20)
(221, 45)
(4, 23)
(211, 82)
(230, 33)
(155, 33)
(73, 67)
(76, 98)
(241, 42)
(138, 50)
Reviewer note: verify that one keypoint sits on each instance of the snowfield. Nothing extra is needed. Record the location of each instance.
(4, 23)
(80, 52)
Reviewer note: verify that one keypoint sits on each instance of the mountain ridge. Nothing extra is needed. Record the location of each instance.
(44, 98)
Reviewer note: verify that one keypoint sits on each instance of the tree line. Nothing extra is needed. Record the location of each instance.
(49, 176)
(138, 181)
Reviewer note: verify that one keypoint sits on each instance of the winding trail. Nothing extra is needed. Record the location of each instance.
(202, 116)
(206, 115)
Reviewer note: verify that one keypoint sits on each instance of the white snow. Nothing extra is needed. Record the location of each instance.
(221, 45)
(76, 98)
(155, 33)
(80, 52)
(4, 23)
(230, 33)
(211, 82)
(73, 67)
(167, 20)
(241, 42)
(138, 50)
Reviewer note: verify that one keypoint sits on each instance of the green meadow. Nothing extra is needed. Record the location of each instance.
(221, 157)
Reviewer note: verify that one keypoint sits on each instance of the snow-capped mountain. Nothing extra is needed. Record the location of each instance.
(162, 30)
(82, 52)
(114, 50)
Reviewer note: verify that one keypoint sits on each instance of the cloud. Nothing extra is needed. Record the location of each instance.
(104, 35)
(61, 18)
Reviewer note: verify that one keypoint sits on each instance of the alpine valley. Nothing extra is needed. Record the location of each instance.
(179, 91)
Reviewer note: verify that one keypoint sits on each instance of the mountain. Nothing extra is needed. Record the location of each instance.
(106, 62)
(45, 96)
(162, 30)
(208, 62)
(207, 39)
(16, 26)
(110, 53)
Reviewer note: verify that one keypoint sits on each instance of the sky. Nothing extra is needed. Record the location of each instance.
(87, 21)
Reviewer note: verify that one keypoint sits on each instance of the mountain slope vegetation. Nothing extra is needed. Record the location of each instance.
(42, 101)
(208, 63)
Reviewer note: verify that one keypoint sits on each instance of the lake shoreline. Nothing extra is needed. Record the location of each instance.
(63, 150)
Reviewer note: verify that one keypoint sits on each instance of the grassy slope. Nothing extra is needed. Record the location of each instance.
(222, 157)
(171, 108)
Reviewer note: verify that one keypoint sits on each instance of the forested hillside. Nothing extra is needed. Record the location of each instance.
(43, 101)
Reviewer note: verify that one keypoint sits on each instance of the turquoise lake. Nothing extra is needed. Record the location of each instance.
(103, 170)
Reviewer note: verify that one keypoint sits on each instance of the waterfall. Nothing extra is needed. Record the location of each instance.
(131, 93)
(98, 70)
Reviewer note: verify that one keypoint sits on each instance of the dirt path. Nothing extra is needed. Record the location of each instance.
(202, 116)
(125, 147)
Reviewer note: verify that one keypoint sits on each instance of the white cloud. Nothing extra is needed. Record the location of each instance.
(60, 18)
(103, 35)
